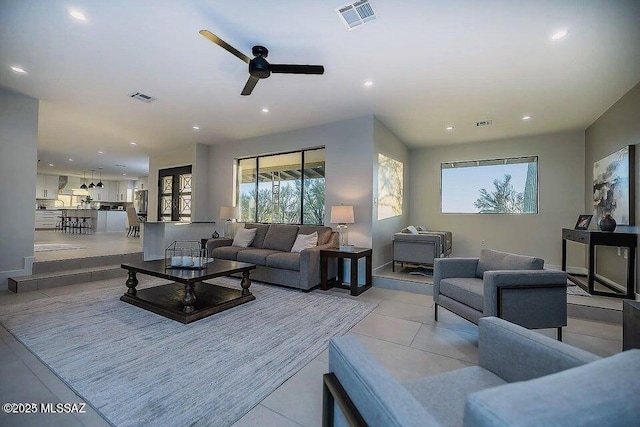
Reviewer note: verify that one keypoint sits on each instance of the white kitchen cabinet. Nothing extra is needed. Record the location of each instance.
(125, 191)
(113, 191)
(46, 220)
(47, 187)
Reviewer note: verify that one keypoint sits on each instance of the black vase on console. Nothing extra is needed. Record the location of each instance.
(607, 223)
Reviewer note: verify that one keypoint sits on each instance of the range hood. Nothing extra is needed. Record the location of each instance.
(70, 186)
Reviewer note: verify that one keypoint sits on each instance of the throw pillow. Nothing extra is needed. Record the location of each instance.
(244, 237)
(421, 228)
(305, 241)
(411, 229)
(280, 237)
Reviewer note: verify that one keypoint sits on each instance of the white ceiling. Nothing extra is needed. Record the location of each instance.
(434, 63)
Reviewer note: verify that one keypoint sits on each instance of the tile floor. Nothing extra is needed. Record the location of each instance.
(400, 333)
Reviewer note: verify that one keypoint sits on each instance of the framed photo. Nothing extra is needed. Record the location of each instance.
(614, 186)
(583, 222)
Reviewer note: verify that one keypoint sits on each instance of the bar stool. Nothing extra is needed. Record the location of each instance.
(74, 224)
(60, 223)
(85, 225)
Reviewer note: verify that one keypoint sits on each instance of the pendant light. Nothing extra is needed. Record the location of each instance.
(84, 180)
(100, 184)
(92, 185)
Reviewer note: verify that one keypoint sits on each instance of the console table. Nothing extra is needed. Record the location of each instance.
(623, 236)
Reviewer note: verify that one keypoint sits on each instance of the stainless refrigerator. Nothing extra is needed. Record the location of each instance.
(141, 200)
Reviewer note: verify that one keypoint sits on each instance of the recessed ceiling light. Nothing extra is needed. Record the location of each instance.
(71, 160)
(196, 127)
(449, 128)
(527, 117)
(18, 70)
(124, 174)
(559, 34)
(368, 83)
(50, 164)
(100, 152)
(77, 15)
(265, 110)
(132, 143)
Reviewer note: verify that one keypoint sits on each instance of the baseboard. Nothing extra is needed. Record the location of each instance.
(381, 267)
(570, 269)
(25, 271)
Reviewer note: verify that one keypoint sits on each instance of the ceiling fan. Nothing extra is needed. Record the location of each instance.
(259, 68)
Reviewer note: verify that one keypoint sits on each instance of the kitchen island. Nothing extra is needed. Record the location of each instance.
(102, 221)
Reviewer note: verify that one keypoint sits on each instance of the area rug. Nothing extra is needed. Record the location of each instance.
(138, 368)
(577, 290)
(45, 247)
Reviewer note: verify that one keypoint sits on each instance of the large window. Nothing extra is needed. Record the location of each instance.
(497, 186)
(283, 188)
(390, 187)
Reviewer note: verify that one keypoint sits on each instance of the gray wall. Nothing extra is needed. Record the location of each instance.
(349, 168)
(18, 163)
(618, 127)
(389, 145)
(560, 178)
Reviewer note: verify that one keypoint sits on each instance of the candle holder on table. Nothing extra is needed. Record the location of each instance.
(185, 254)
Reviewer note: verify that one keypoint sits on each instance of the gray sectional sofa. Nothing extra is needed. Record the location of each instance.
(270, 251)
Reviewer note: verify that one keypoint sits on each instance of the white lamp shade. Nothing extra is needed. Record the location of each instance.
(342, 214)
(229, 212)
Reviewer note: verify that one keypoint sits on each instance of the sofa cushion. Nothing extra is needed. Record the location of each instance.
(604, 392)
(451, 389)
(226, 252)
(258, 241)
(284, 261)
(255, 256)
(324, 233)
(496, 260)
(305, 241)
(244, 237)
(280, 237)
(467, 290)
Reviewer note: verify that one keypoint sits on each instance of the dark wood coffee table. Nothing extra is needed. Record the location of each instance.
(187, 299)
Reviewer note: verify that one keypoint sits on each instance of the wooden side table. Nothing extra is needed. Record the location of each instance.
(336, 282)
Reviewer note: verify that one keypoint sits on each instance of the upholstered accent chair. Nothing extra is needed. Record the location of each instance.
(418, 246)
(513, 287)
(523, 379)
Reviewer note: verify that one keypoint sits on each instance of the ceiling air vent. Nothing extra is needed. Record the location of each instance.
(355, 14)
(142, 97)
(484, 123)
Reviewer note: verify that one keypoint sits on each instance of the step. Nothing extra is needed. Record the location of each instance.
(41, 281)
(87, 262)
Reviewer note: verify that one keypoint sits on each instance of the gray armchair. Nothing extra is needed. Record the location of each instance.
(513, 287)
(420, 248)
(523, 379)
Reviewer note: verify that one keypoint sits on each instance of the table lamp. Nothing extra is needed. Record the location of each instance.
(342, 215)
(228, 213)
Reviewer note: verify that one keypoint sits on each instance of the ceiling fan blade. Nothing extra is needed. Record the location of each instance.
(251, 83)
(226, 46)
(296, 69)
